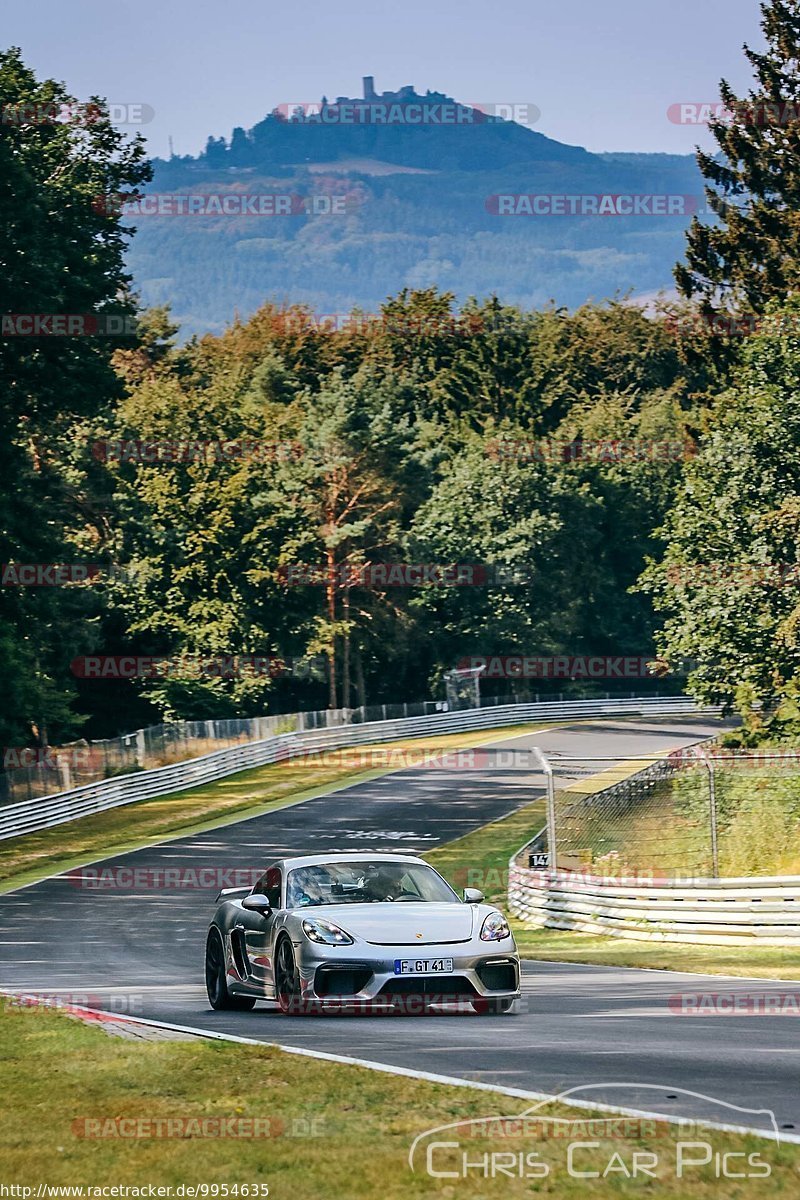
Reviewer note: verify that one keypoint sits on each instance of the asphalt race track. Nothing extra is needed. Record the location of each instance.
(139, 949)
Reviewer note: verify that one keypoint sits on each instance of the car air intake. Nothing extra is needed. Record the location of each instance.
(341, 979)
(498, 974)
(429, 985)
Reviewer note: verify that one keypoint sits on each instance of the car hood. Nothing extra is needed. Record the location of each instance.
(403, 924)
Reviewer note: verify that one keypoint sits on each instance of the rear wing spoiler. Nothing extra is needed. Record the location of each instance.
(226, 893)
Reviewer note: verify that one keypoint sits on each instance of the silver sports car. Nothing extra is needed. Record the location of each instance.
(371, 931)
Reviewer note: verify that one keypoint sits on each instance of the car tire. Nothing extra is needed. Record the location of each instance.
(492, 1006)
(287, 981)
(219, 997)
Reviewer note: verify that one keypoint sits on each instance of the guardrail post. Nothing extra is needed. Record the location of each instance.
(551, 808)
(712, 811)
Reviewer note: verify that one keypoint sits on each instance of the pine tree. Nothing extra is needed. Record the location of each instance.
(752, 254)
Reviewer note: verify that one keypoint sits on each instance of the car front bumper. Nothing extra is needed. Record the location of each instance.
(364, 973)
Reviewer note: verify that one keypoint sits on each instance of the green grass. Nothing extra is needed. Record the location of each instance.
(480, 859)
(338, 1132)
(248, 793)
(555, 945)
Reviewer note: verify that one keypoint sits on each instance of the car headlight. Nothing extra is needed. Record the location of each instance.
(326, 933)
(495, 928)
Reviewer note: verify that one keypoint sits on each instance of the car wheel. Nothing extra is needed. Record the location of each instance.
(492, 1007)
(219, 996)
(287, 980)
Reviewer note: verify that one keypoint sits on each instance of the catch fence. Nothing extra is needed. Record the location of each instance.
(700, 812)
(25, 816)
(48, 770)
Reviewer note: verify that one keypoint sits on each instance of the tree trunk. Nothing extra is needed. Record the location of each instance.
(361, 690)
(346, 650)
(330, 585)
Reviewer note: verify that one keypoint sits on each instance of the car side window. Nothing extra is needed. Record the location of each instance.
(270, 886)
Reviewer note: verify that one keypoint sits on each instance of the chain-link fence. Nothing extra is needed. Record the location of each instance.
(699, 812)
(54, 769)
(59, 769)
(51, 769)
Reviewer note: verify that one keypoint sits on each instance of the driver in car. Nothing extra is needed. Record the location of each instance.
(383, 885)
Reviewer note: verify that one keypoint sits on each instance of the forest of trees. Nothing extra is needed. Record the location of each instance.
(628, 483)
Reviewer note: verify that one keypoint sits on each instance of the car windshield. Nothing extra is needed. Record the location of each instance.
(365, 883)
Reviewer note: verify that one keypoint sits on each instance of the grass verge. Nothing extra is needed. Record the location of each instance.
(336, 1131)
(556, 945)
(248, 793)
(480, 859)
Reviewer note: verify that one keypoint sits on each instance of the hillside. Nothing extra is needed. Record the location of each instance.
(415, 204)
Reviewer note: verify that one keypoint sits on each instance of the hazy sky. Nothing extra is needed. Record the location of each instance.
(602, 74)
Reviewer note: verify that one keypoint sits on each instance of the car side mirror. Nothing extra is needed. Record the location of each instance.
(256, 902)
(472, 895)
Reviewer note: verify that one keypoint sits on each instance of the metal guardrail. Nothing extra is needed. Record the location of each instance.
(56, 809)
(734, 912)
(29, 773)
(52, 769)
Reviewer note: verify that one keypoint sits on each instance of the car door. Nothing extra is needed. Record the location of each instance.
(255, 933)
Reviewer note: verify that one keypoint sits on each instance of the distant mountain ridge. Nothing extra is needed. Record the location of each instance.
(432, 131)
(430, 222)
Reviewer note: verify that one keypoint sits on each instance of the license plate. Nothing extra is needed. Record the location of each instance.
(423, 966)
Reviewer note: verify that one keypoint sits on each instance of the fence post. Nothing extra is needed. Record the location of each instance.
(64, 775)
(712, 811)
(551, 808)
